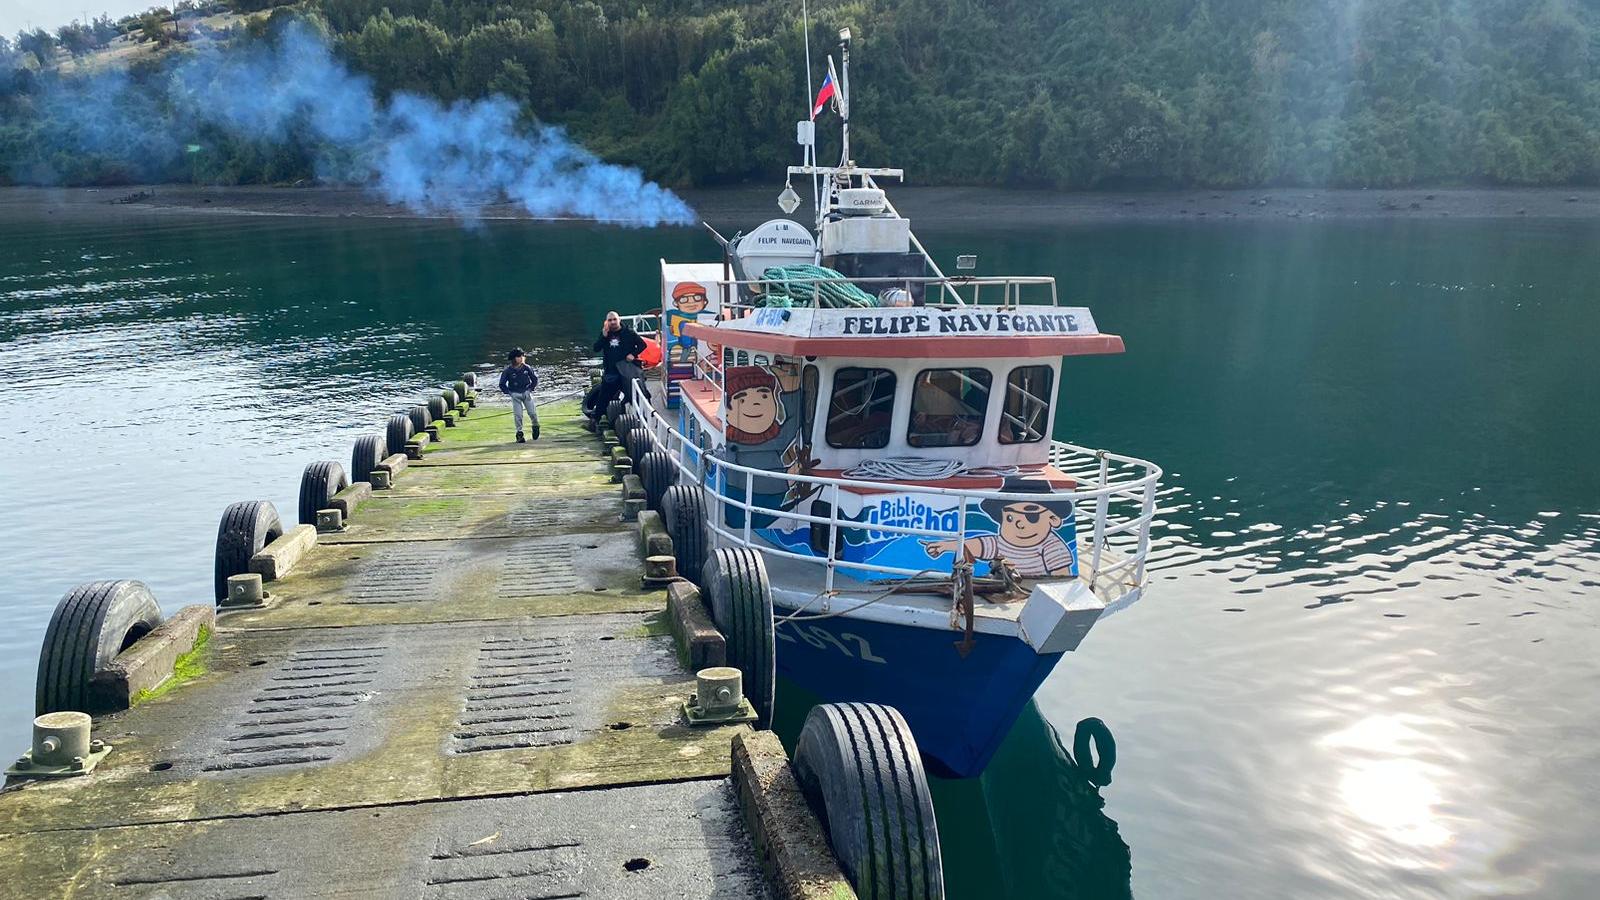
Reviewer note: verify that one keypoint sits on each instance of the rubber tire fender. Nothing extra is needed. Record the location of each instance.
(858, 766)
(471, 378)
(246, 528)
(626, 423)
(397, 432)
(614, 411)
(318, 483)
(420, 419)
(657, 473)
(460, 389)
(683, 509)
(640, 442)
(448, 398)
(91, 625)
(741, 604)
(436, 408)
(369, 450)
(1093, 730)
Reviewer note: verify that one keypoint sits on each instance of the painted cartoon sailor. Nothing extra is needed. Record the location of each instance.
(688, 301)
(1027, 536)
(764, 433)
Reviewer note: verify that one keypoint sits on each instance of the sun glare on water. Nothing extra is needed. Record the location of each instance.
(1385, 787)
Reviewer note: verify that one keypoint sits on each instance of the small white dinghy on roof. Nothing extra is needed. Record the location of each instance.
(877, 437)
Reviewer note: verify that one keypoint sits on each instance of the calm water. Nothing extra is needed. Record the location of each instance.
(1369, 663)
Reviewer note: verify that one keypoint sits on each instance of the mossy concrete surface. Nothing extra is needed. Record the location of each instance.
(479, 635)
(547, 479)
(677, 840)
(391, 582)
(296, 719)
(489, 436)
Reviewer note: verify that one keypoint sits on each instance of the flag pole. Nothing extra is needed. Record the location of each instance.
(811, 148)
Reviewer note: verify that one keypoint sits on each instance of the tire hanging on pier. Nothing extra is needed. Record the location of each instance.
(735, 579)
(91, 625)
(639, 442)
(860, 770)
(683, 509)
(436, 408)
(398, 431)
(318, 483)
(369, 450)
(614, 411)
(625, 423)
(461, 392)
(656, 473)
(448, 397)
(471, 378)
(420, 418)
(246, 528)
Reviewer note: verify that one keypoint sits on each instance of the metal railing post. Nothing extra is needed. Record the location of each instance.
(833, 538)
(749, 492)
(1147, 514)
(1101, 504)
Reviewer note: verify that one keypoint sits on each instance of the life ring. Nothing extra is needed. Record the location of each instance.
(1092, 734)
(651, 357)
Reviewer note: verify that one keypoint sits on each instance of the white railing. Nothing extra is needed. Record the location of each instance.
(646, 325)
(1113, 507)
(958, 291)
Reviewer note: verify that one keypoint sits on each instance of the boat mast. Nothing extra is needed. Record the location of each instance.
(844, 97)
(811, 143)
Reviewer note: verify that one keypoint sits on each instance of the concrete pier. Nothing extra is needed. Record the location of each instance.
(468, 691)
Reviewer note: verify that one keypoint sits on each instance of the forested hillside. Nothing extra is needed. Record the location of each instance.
(1073, 94)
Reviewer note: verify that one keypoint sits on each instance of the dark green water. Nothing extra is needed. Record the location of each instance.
(1369, 661)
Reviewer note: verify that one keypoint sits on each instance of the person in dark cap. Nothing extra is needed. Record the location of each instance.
(518, 382)
(1026, 533)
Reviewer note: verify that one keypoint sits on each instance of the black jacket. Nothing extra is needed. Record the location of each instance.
(617, 346)
(515, 380)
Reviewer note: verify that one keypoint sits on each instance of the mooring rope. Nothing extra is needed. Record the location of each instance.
(787, 286)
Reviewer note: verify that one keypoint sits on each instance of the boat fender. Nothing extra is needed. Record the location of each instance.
(1093, 731)
(91, 625)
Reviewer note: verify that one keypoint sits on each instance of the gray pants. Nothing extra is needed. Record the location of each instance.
(522, 401)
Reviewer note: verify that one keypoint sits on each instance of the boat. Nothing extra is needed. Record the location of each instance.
(875, 437)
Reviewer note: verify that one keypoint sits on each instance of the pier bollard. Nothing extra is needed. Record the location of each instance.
(631, 509)
(718, 697)
(381, 480)
(621, 471)
(245, 590)
(61, 746)
(329, 520)
(659, 570)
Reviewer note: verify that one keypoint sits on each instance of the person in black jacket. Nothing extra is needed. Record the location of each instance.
(619, 347)
(518, 382)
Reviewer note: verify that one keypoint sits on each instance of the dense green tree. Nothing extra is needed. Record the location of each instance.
(1071, 94)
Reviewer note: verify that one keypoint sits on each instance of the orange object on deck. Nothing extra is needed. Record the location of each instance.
(651, 357)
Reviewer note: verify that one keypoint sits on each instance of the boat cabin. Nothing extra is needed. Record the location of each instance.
(889, 401)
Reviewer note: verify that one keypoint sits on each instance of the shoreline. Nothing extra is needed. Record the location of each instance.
(999, 207)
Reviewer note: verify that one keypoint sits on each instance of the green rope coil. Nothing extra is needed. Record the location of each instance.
(787, 286)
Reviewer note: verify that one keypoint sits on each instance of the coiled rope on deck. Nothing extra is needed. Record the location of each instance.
(788, 286)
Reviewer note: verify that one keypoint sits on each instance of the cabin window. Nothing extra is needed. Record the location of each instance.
(948, 407)
(1026, 413)
(861, 410)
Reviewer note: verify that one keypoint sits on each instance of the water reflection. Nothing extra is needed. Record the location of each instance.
(1367, 664)
(1049, 820)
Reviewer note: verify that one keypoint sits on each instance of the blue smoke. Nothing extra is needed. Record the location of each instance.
(413, 150)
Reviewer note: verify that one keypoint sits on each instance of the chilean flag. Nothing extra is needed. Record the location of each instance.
(823, 96)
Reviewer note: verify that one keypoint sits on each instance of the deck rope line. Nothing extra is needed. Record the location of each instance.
(920, 468)
(788, 286)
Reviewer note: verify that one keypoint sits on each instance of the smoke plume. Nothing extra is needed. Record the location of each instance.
(433, 158)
